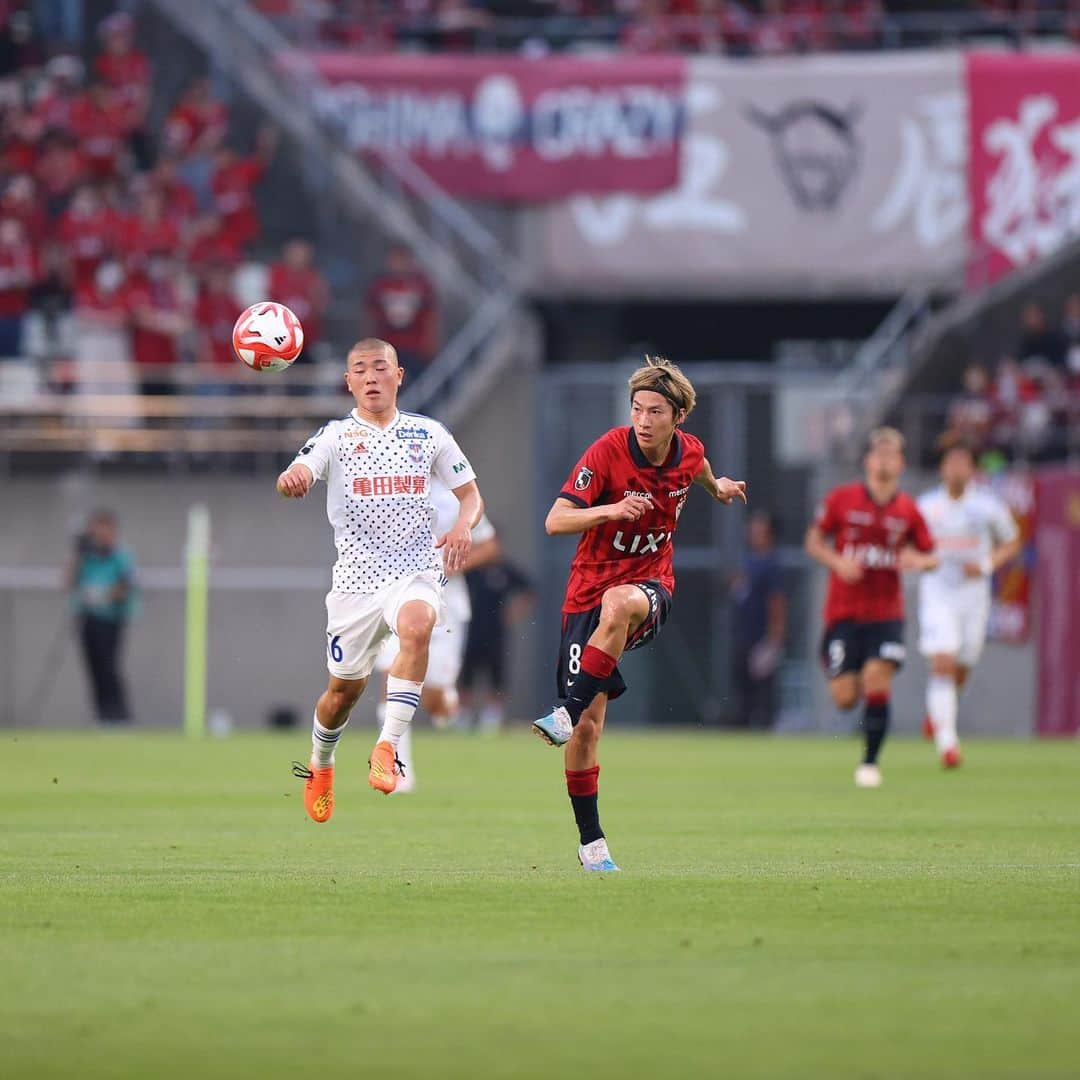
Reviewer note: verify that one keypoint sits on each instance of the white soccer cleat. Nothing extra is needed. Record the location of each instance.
(555, 728)
(867, 776)
(595, 857)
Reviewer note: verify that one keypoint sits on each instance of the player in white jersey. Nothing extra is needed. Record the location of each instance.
(378, 464)
(440, 695)
(974, 533)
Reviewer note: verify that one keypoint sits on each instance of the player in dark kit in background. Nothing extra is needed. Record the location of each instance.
(625, 496)
(866, 533)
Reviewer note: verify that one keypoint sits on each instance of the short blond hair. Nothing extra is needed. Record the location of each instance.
(885, 435)
(663, 377)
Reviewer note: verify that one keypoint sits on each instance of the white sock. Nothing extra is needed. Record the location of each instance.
(404, 750)
(324, 742)
(941, 704)
(402, 700)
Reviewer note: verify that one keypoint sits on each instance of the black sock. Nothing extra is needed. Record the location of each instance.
(587, 816)
(582, 786)
(581, 694)
(875, 725)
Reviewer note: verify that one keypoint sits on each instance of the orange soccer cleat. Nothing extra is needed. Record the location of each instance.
(318, 791)
(384, 768)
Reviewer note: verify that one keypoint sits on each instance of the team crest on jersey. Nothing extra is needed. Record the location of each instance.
(416, 453)
(583, 479)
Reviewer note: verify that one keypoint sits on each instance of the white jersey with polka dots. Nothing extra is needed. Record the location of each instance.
(378, 495)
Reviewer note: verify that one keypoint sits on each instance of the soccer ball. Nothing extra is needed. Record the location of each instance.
(268, 336)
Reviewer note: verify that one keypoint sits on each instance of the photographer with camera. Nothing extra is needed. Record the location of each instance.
(101, 582)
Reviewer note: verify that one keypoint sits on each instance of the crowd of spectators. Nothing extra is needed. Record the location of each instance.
(1028, 407)
(736, 27)
(120, 248)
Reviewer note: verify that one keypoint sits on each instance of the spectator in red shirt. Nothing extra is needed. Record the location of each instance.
(180, 202)
(215, 312)
(126, 71)
(60, 170)
(401, 308)
(18, 272)
(99, 122)
(233, 182)
(149, 232)
(102, 340)
(88, 233)
(207, 243)
(20, 201)
(197, 123)
(160, 316)
(22, 136)
(296, 283)
(56, 98)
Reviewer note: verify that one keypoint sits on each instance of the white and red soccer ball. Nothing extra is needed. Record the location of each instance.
(268, 336)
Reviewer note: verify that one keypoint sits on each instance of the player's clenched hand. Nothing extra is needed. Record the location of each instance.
(295, 482)
(848, 570)
(631, 508)
(727, 491)
(975, 570)
(456, 544)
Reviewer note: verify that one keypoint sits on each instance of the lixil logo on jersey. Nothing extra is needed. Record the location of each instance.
(640, 543)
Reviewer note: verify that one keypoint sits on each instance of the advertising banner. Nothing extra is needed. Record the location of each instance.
(805, 175)
(512, 128)
(1057, 543)
(1025, 157)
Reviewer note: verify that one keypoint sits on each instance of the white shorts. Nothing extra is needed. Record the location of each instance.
(357, 625)
(444, 657)
(953, 626)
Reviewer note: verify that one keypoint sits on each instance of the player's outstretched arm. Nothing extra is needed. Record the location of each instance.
(295, 482)
(720, 487)
(564, 518)
(1000, 555)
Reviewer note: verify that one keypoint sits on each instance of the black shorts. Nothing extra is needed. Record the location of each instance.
(578, 627)
(483, 657)
(847, 644)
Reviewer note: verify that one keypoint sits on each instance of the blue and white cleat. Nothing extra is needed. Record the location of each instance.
(595, 857)
(555, 728)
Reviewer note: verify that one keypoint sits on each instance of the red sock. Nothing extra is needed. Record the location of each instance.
(596, 662)
(583, 781)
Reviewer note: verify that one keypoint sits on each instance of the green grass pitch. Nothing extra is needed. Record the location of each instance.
(166, 910)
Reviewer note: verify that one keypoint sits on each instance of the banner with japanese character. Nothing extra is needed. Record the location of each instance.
(1025, 157)
(512, 128)
(799, 175)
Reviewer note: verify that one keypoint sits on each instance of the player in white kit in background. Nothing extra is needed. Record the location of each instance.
(378, 464)
(975, 534)
(440, 695)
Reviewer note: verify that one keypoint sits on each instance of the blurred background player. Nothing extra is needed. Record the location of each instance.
(501, 596)
(625, 496)
(760, 623)
(975, 535)
(101, 583)
(440, 694)
(378, 464)
(866, 532)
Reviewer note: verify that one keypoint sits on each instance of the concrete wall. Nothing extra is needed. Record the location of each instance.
(267, 644)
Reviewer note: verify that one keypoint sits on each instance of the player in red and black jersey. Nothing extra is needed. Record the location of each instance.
(624, 496)
(866, 533)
